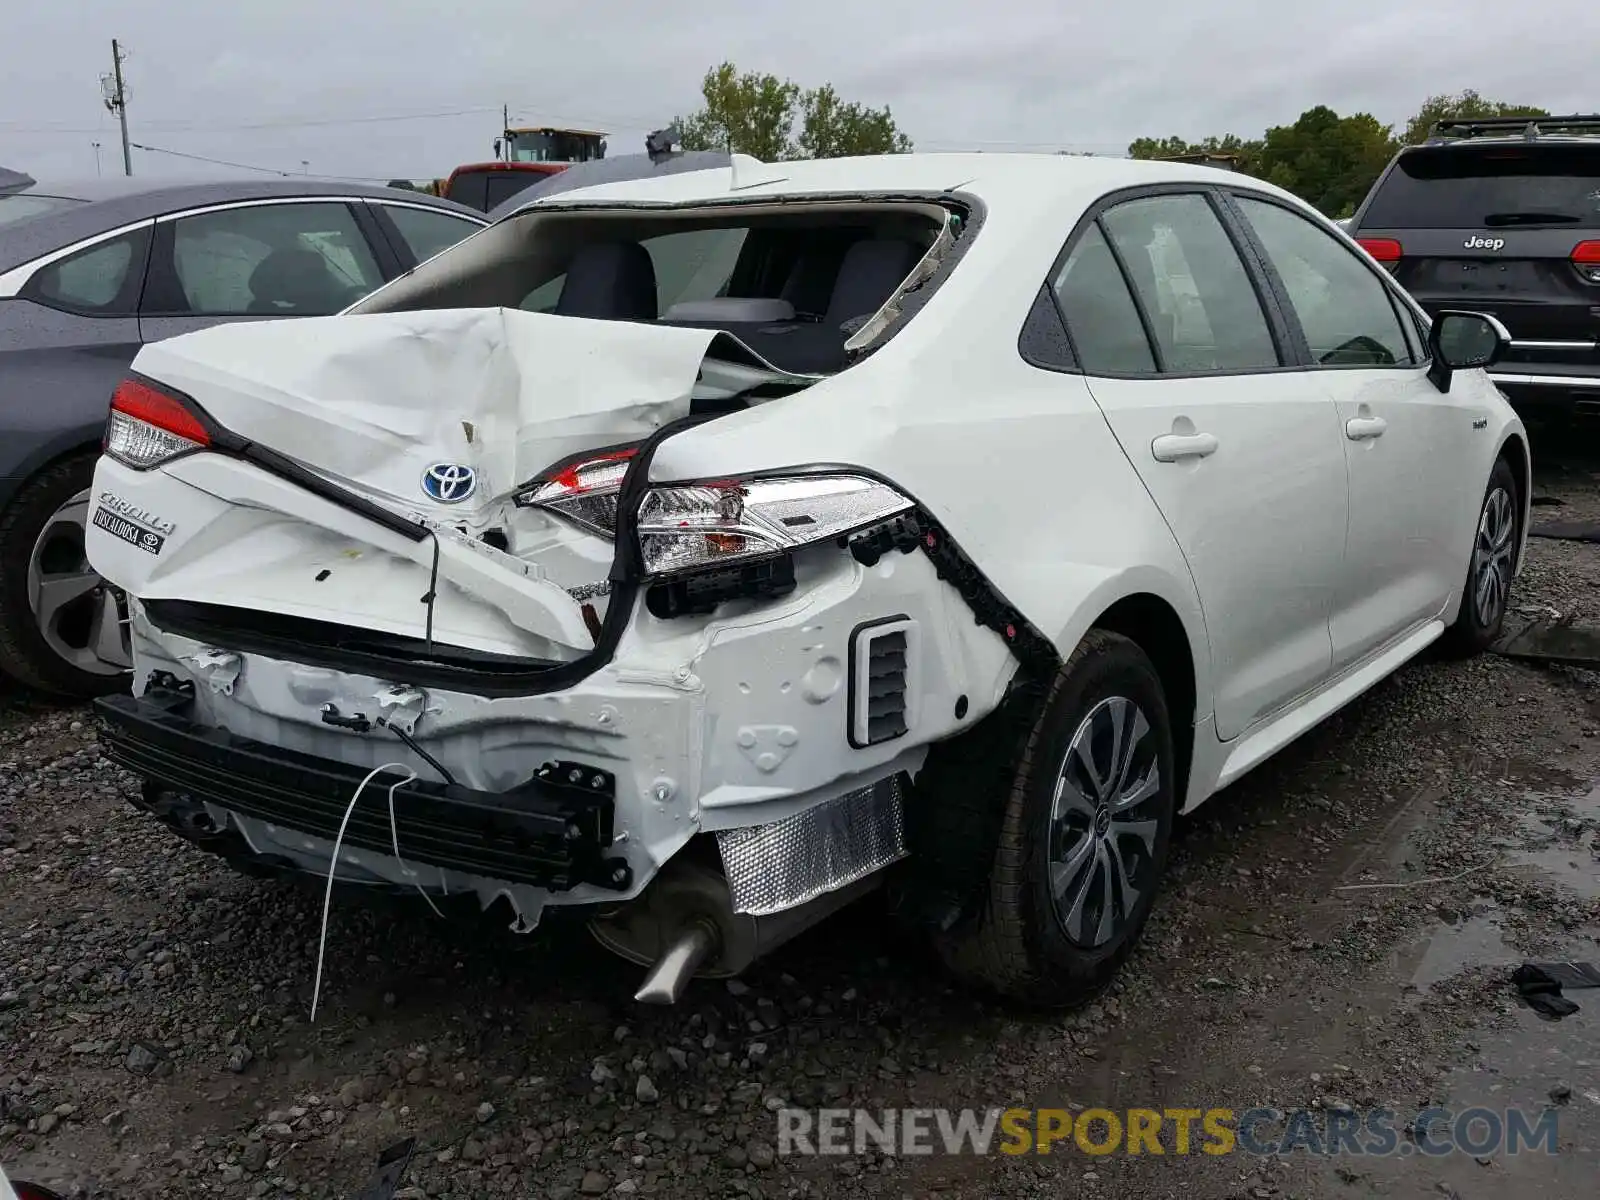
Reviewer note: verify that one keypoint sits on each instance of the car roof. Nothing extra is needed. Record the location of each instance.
(997, 178)
(617, 169)
(118, 200)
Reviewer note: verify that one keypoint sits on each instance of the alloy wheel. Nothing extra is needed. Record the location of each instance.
(1104, 821)
(1491, 557)
(80, 616)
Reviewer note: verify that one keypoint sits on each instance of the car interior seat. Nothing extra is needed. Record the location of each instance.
(297, 282)
(613, 281)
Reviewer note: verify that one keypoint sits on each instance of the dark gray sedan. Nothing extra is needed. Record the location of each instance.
(88, 274)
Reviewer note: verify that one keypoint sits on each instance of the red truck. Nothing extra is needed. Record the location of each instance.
(522, 157)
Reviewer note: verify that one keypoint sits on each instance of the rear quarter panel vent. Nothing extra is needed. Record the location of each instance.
(884, 658)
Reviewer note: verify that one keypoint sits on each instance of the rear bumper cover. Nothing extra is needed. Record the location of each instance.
(553, 832)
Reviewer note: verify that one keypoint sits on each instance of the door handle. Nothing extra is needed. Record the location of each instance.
(1364, 429)
(1175, 447)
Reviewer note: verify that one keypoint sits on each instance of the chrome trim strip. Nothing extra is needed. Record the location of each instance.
(1521, 344)
(13, 281)
(1570, 381)
(433, 208)
(263, 202)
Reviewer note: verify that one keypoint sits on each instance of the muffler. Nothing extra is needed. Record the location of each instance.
(776, 881)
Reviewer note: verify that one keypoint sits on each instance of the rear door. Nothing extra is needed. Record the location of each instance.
(1238, 445)
(1505, 227)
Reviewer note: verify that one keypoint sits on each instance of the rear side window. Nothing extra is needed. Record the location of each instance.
(1194, 289)
(1344, 310)
(1488, 187)
(103, 279)
(1102, 321)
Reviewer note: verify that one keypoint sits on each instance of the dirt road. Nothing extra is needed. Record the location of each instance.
(153, 1006)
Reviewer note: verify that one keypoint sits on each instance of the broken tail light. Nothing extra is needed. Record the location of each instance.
(735, 522)
(1386, 252)
(583, 490)
(1586, 257)
(148, 426)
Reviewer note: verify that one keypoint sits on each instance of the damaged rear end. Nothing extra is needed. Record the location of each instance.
(409, 603)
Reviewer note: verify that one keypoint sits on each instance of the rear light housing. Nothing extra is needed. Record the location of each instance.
(1586, 258)
(735, 523)
(149, 427)
(1386, 252)
(583, 490)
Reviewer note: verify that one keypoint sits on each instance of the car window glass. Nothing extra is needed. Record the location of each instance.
(502, 185)
(426, 232)
(1202, 306)
(16, 208)
(1344, 309)
(273, 260)
(693, 265)
(1103, 323)
(93, 279)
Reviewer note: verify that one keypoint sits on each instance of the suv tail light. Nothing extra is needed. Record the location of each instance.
(1586, 257)
(1385, 251)
(148, 427)
(583, 489)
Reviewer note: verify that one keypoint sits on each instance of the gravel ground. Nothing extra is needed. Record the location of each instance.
(154, 1038)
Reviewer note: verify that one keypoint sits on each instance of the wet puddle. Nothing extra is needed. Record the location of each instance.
(1561, 839)
(1477, 940)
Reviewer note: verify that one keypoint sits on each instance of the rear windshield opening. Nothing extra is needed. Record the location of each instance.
(1486, 187)
(792, 283)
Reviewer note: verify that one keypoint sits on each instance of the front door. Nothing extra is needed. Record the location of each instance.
(1406, 549)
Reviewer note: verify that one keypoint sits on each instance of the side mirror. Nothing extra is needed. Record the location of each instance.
(497, 147)
(1462, 341)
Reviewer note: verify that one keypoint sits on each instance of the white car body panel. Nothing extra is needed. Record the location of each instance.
(1270, 552)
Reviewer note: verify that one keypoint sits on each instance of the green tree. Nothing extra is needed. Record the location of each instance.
(1327, 160)
(833, 128)
(1244, 151)
(1467, 105)
(748, 114)
(756, 114)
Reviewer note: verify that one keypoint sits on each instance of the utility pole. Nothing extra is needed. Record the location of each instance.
(116, 97)
(505, 127)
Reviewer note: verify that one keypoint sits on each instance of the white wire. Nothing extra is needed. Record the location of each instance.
(333, 864)
(394, 839)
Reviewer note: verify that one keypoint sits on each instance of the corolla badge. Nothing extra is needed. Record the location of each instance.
(449, 483)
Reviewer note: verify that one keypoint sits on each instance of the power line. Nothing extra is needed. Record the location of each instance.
(186, 127)
(239, 166)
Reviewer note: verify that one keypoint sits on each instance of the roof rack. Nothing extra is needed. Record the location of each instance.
(1529, 127)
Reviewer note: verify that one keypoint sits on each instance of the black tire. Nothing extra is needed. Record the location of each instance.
(24, 653)
(1471, 633)
(1017, 945)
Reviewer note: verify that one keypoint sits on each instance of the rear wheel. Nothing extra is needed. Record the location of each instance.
(62, 627)
(1487, 592)
(1083, 842)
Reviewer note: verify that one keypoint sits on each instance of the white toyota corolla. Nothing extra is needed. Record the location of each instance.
(692, 551)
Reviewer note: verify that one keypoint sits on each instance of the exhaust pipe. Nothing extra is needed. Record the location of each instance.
(673, 970)
(684, 925)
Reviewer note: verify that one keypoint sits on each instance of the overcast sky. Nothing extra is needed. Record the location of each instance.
(296, 82)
